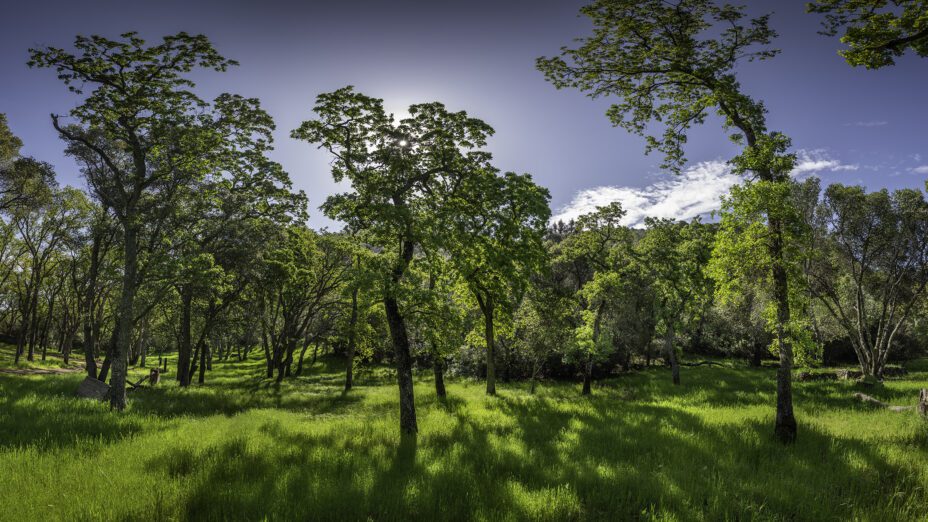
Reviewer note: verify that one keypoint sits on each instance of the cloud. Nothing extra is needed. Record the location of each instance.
(875, 123)
(920, 170)
(697, 191)
(812, 161)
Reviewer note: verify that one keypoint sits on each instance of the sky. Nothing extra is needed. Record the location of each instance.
(848, 125)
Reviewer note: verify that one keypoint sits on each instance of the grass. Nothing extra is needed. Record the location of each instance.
(241, 448)
(53, 360)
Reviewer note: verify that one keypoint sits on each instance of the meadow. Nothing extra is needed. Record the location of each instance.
(242, 448)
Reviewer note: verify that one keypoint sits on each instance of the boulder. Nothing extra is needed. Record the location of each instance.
(91, 388)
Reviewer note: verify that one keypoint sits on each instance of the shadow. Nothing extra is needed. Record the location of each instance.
(638, 448)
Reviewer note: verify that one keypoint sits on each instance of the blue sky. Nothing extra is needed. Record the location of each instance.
(848, 125)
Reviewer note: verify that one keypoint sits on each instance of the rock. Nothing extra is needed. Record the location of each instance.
(810, 376)
(894, 371)
(91, 388)
(849, 374)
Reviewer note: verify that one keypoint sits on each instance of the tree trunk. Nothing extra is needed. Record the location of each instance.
(267, 356)
(785, 428)
(20, 343)
(352, 326)
(439, 369)
(90, 341)
(284, 362)
(672, 354)
(536, 369)
(299, 362)
(756, 355)
(184, 347)
(203, 361)
(486, 305)
(126, 318)
(587, 376)
(403, 359)
(108, 356)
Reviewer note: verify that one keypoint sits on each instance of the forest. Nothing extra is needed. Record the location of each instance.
(177, 343)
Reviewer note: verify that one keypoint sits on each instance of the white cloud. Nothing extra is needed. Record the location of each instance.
(694, 192)
(697, 191)
(812, 161)
(875, 123)
(920, 170)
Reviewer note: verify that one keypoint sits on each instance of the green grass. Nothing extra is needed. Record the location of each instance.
(241, 448)
(53, 360)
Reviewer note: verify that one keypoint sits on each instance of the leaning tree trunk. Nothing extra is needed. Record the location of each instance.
(785, 428)
(126, 317)
(108, 355)
(299, 361)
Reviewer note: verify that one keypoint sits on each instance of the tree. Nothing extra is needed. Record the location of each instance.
(497, 245)
(870, 265)
(876, 32)
(357, 331)
(593, 256)
(401, 175)
(741, 265)
(42, 230)
(673, 63)
(140, 137)
(306, 274)
(676, 254)
(24, 181)
(226, 220)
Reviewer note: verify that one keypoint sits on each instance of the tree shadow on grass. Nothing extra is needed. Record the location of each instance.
(626, 457)
(43, 412)
(546, 457)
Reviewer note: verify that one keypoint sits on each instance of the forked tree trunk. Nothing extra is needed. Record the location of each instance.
(108, 355)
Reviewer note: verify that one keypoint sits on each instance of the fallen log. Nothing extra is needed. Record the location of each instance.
(863, 397)
(138, 383)
(704, 363)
